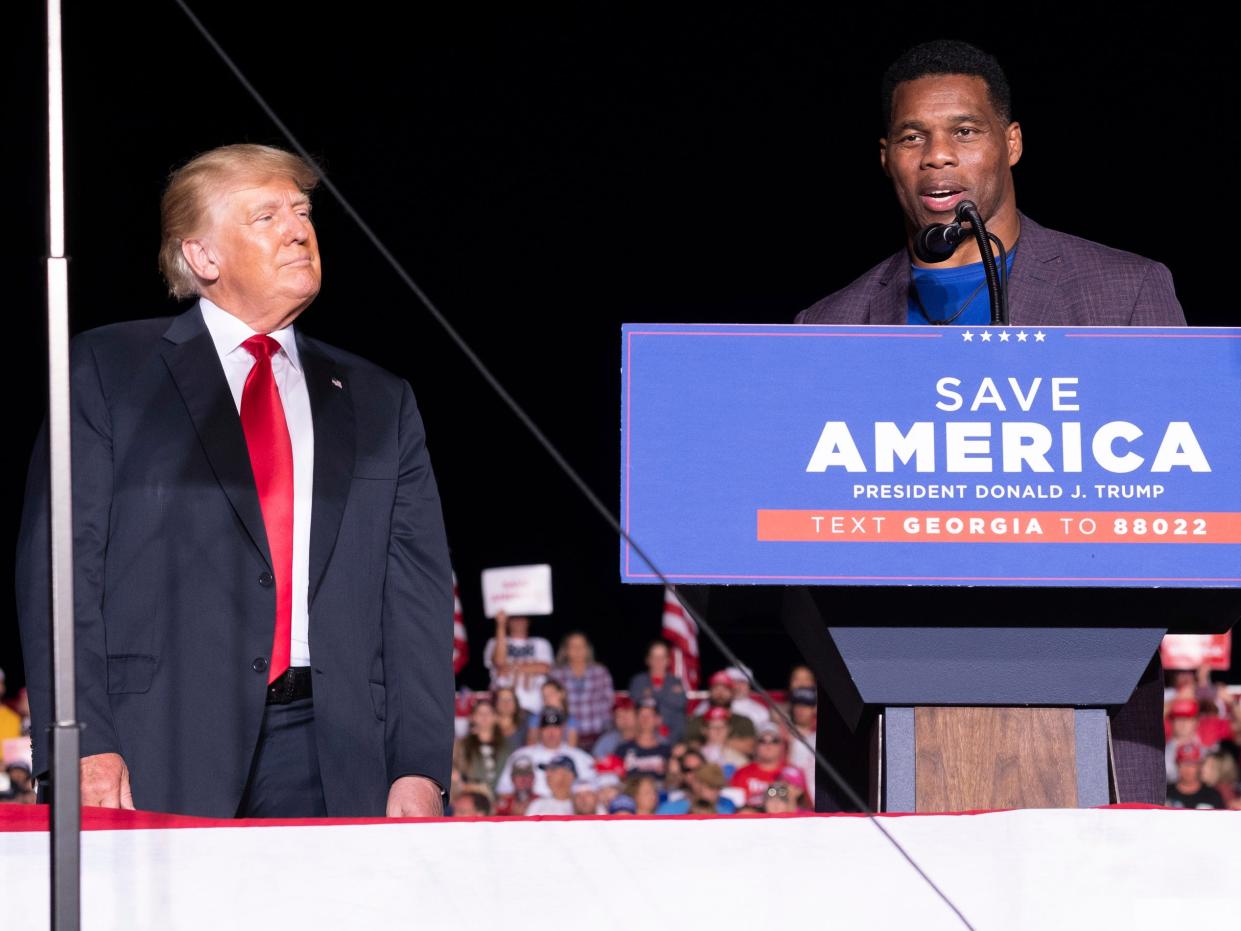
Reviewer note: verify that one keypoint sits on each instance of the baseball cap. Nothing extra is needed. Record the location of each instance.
(1189, 753)
(562, 761)
(721, 678)
(769, 729)
(794, 777)
(803, 696)
(523, 765)
(584, 785)
(610, 764)
(622, 701)
(551, 717)
(648, 702)
(710, 774)
(717, 714)
(1184, 708)
(623, 803)
(607, 780)
(735, 674)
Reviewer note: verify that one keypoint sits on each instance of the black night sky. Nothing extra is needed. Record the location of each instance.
(547, 175)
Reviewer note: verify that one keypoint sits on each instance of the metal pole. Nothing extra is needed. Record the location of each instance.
(66, 790)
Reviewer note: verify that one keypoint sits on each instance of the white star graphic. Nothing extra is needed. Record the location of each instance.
(967, 336)
(986, 336)
(1021, 337)
(1040, 336)
(1003, 336)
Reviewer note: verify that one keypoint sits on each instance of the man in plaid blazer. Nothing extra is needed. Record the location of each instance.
(950, 137)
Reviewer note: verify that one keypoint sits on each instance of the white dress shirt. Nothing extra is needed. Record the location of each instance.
(228, 333)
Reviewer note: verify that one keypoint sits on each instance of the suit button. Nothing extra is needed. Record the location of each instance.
(259, 665)
(266, 579)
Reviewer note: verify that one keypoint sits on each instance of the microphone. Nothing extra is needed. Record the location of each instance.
(937, 242)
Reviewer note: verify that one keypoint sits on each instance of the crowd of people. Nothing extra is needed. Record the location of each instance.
(1203, 726)
(555, 736)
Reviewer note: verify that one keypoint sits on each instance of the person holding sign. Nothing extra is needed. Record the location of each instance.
(949, 137)
(518, 661)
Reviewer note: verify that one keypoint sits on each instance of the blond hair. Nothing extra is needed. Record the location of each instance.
(187, 199)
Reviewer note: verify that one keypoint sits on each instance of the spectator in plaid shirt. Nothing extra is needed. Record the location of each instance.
(589, 687)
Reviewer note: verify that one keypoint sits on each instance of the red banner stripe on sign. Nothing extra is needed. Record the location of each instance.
(835, 526)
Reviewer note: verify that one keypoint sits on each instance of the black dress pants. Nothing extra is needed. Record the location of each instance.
(284, 777)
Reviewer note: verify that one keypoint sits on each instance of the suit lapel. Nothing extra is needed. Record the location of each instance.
(195, 367)
(1036, 271)
(890, 306)
(331, 407)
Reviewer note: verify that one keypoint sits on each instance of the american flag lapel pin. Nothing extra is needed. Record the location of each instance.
(336, 384)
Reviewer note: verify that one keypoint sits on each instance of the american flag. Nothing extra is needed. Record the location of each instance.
(460, 643)
(680, 630)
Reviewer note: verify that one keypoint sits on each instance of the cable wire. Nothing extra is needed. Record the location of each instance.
(551, 449)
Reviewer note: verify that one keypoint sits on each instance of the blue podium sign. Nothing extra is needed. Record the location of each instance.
(1060, 456)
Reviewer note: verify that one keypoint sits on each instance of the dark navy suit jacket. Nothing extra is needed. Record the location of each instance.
(1056, 280)
(174, 606)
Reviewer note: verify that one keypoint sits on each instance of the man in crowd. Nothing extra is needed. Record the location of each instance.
(263, 600)
(520, 794)
(647, 754)
(754, 778)
(743, 702)
(471, 805)
(659, 683)
(950, 137)
(551, 744)
(624, 727)
(1189, 791)
(719, 695)
(706, 785)
(1183, 714)
(21, 785)
(518, 661)
(585, 797)
(560, 773)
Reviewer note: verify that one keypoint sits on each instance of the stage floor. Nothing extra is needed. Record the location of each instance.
(1120, 867)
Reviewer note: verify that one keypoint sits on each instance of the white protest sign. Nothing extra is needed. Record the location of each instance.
(517, 590)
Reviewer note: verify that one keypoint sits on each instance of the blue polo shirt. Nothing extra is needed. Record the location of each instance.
(944, 290)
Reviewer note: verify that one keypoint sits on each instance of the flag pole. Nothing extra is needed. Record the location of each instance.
(66, 813)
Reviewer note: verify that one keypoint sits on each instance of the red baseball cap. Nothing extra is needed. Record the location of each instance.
(610, 764)
(1184, 708)
(721, 678)
(793, 776)
(622, 701)
(717, 714)
(1189, 753)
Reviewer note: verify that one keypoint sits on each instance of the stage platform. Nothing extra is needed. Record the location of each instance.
(1124, 867)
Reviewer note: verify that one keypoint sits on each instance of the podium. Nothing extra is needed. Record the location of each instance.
(980, 541)
(928, 710)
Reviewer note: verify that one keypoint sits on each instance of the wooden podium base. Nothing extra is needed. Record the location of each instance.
(944, 758)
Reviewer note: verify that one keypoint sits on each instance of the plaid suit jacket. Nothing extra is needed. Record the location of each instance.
(1057, 280)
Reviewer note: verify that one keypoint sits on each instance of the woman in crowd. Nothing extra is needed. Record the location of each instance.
(589, 687)
(667, 690)
(512, 720)
(481, 754)
(555, 696)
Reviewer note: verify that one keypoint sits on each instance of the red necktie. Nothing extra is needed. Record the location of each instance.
(271, 457)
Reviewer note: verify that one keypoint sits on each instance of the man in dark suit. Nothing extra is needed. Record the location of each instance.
(263, 598)
(950, 137)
